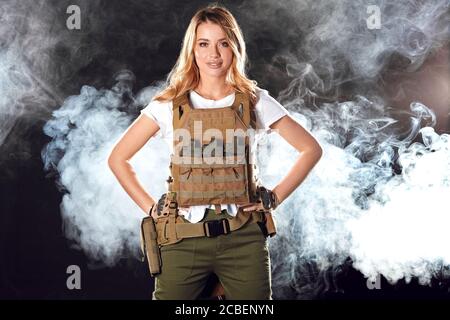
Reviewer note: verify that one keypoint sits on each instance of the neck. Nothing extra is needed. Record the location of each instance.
(214, 88)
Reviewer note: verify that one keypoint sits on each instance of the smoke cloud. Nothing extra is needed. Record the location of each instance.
(97, 213)
(388, 224)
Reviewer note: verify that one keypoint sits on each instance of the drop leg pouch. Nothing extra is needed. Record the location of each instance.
(149, 245)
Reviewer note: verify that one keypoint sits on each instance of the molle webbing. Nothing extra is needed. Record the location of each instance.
(207, 169)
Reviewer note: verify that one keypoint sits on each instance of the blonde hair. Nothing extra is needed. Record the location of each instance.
(185, 75)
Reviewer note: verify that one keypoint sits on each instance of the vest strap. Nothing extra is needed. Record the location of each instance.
(180, 108)
(241, 106)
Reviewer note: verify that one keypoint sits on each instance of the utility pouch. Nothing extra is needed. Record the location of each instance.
(149, 245)
(270, 224)
(267, 225)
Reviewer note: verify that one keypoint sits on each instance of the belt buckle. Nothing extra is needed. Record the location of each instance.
(214, 228)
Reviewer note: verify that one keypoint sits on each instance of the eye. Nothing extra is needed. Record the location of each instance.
(202, 43)
(225, 44)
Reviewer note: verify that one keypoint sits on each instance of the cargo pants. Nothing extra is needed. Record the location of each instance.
(240, 260)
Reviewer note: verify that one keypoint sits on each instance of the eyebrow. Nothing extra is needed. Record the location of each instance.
(208, 40)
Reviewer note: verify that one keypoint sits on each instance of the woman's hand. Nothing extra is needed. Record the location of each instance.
(154, 213)
(251, 206)
(181, 210)
(269, 195)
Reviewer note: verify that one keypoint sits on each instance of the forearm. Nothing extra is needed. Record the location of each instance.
(128, 180)
(297, 174)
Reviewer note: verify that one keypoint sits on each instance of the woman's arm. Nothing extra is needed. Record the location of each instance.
(134, 138)
(310, 153)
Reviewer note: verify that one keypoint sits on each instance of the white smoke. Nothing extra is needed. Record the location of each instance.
(345, 208)
(389, 224)
(404, 232)
(38, 59)
(333, 37)
(98, 215)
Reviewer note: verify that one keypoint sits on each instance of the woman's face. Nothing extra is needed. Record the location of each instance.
(212, 50)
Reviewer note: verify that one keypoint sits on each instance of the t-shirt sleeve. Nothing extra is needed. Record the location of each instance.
(160, 113)
(268, 110)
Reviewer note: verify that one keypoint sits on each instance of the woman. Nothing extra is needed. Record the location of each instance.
(210, 71)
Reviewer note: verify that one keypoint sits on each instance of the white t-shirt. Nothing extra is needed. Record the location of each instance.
(268, 111)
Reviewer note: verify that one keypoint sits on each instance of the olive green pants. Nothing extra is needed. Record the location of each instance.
(240, 260)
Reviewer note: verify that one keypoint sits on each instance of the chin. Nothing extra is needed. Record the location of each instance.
(217, 73)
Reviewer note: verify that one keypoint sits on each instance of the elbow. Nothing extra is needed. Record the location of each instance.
(319, 151)
(110, 161)
(315, 152)
(113, 161)
(117, 158)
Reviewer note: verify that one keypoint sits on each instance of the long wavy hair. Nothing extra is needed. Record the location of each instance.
(185, 74)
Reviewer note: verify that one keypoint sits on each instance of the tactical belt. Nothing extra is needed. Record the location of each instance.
(171, 228)
(214, 228)
(170, 231)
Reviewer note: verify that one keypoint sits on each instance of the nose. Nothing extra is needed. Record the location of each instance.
(214, 52)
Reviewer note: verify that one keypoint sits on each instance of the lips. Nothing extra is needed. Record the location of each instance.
(214, 65)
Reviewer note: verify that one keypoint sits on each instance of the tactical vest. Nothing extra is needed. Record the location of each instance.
(200, 175)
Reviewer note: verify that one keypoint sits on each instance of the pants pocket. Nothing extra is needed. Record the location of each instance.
(251, 253)
(255, 231)
(178, 260)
